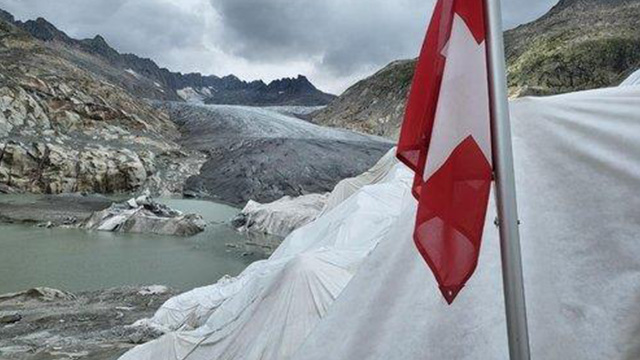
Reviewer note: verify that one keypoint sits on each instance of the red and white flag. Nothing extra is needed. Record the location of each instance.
(446, 141)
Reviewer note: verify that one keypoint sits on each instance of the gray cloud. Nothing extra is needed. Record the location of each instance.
(141, 26)
(345, 35)
(334, 42)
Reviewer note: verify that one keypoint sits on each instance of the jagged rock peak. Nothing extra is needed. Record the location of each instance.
(44, 30)
(297, 83)
(231, 77)
(99, 40)
(144, 78)
(6, 16)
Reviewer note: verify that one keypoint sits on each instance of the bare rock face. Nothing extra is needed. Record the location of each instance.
(374, 105)
(578, 45)
(53, 169)
(64, 129)
(143, 215)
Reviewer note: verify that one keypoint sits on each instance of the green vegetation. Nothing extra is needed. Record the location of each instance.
(572, 49)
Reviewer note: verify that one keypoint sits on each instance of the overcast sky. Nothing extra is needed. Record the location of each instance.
(333, 42)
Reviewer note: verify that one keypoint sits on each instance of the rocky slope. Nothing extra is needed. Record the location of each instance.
(260, 154)
(143, 77)
(374, 105)
(44, 323)
(65, 129)
(578, 45)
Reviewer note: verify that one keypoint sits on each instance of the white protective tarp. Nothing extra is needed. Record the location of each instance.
(283, 216)
(347, 187)
(578, 173)
(267, 311)
(632, 80)
(578, 178)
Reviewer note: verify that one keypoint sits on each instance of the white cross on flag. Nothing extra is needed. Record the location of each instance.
(446, 141)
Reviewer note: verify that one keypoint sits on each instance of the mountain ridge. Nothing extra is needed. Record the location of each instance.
(163, 84)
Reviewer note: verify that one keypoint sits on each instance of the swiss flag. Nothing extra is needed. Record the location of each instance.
(446, 141)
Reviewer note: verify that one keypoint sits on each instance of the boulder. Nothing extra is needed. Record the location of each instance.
(37, 294)
(10, 319)
(143, 215)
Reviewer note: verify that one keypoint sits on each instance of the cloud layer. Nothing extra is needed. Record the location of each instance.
(333, 42)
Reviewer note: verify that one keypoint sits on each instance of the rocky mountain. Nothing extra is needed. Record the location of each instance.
(143, 77)
(374, 105)
(70, 123)
(292, 92)
(578, 45)
(65, 129)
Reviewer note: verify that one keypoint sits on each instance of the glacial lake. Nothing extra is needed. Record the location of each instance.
(77, 260)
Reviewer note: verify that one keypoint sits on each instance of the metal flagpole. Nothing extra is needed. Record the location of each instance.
(506, 189)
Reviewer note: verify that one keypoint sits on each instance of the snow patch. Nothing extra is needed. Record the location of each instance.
(190, 95)
(205, 91)
(135, 74)
(153, 290)
(195, 96)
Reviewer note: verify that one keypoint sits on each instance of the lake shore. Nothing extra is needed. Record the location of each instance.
(54, 209)
(93, 320)
(52, 324)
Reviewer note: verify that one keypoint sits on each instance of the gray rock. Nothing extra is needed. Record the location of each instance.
(5, 189)
(143, 215)
(39, 294)
(91, 325)
(10, 319)
(374, 105)
(65, 128)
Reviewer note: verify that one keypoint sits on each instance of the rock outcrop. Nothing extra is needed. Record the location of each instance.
(374, 105)
(64, 129)
(578, 45)
(144, 216)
